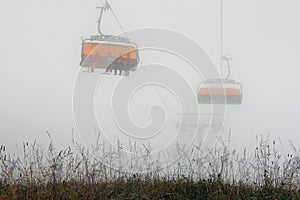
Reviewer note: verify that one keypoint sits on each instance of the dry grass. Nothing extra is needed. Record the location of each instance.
(73, 173)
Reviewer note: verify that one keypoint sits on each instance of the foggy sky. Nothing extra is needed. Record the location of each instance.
(40, 54)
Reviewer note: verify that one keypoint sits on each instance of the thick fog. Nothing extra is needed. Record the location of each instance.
(41, 48)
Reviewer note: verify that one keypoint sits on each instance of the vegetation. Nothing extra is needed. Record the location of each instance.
(218, 173)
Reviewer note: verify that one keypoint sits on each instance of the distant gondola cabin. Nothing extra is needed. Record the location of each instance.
(220, 92)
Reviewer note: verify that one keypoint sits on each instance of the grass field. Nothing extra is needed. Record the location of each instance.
(73, 173)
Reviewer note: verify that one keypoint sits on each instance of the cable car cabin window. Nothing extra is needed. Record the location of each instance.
(220, 91)
(102, 55)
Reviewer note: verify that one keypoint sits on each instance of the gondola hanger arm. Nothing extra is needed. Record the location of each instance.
(227, 58)
(103, 8)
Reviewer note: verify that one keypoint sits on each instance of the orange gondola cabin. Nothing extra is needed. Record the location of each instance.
(110, 53)
(220, 91)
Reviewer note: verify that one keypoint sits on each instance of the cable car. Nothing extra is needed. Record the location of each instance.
(220, 91)
(112, 53)
(223, 90)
